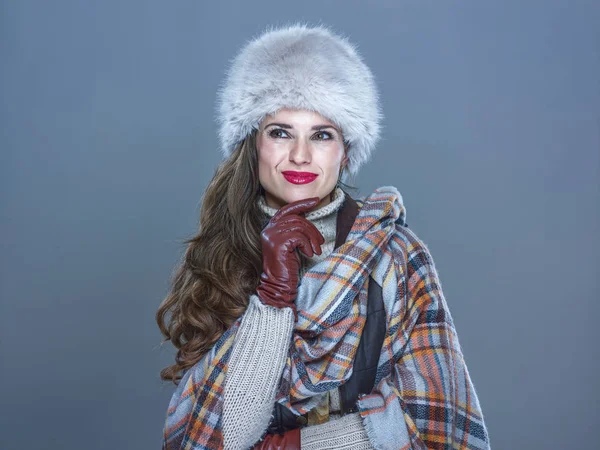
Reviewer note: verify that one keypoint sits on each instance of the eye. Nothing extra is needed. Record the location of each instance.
(278, 133)
(323, 136)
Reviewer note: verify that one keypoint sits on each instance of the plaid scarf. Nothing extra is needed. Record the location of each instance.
(423, 397)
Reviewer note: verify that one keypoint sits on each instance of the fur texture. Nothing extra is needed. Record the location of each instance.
(301, 67)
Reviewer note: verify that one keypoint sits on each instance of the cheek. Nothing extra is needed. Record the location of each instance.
(267, 163)
(262, 151)
(331, 161)
(263, 167)
(266, 158)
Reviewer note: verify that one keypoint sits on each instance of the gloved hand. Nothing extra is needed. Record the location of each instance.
(286, 231)
(290, 440)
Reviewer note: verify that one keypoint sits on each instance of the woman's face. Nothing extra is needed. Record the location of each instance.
(300, 154)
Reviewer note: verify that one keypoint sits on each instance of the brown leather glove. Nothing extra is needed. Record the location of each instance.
(289, 440)
(286, 231)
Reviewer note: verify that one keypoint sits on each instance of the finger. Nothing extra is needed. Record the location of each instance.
(301, 221)
(297, 207)
(311, 232)
(299, 229)
(290, 235)
(303, 245)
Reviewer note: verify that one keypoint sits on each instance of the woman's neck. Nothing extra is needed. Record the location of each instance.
(324, 218)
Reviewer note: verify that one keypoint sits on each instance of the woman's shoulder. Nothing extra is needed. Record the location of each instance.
(404, 235)
(415, 248)
(381, 200)
(391, 194)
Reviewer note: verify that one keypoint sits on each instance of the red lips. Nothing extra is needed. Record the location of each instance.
(299, 177)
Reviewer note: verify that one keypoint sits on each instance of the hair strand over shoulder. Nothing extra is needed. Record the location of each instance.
(221, 265)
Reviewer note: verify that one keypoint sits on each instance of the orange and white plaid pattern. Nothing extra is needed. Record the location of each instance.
(423, 397)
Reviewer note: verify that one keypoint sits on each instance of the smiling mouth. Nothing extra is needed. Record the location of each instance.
(299, 177)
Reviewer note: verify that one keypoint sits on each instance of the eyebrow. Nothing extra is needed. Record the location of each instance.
(289, 127)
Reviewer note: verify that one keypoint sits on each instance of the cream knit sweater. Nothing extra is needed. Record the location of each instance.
(258, 357)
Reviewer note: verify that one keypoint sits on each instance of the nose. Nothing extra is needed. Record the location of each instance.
(300, 152)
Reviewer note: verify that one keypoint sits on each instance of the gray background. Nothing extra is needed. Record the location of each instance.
(108, 141)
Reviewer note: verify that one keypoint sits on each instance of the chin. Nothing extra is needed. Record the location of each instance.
(297, 193)
(300, 195)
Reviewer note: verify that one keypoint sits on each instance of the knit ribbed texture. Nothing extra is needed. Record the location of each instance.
(347, 432)
(254, 371)
(334, 400)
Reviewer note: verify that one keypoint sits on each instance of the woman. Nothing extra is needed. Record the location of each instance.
(304, 318)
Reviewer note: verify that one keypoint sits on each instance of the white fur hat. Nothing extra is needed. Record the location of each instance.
(301, 67)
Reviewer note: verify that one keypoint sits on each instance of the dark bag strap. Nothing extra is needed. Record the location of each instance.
(364, 366)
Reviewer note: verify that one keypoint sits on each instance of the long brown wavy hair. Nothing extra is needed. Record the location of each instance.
(221, 266)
